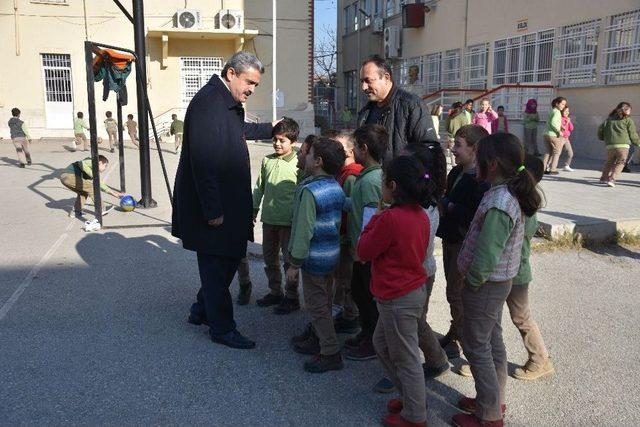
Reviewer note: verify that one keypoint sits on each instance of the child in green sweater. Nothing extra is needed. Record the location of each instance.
(274, 189)
(618, 132)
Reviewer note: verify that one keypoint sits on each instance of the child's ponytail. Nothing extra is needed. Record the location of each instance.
(507, 150)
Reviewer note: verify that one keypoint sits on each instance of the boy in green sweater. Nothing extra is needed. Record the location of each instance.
(79, 125)
(275, 188)
(78, 177)
(177, 128)
(369, 150)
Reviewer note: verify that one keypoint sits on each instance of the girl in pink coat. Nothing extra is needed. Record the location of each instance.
(485, 116)
(567, 128)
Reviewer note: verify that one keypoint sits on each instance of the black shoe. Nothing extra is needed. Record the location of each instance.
(233, 339)
(431, 373)
(21, 165)
(308, 332)
(269, 300)
(445, 340)
(364, 351)
(28, 162)
(288, 305)
(547, 172)
(195, 319)
(452, 349)
(354, 342)
(624, 169)
(244, 296)
(310, 346)
(346, 326)
(321, 363)
(112, 150)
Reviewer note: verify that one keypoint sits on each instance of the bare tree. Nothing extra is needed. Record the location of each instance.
(325, 57)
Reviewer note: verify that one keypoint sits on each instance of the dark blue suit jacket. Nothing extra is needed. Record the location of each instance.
(214, 176)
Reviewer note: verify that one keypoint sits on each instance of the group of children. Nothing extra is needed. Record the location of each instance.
(111, 127)
(379, 267)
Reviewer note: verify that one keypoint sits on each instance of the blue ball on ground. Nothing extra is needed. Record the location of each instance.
(127, 203)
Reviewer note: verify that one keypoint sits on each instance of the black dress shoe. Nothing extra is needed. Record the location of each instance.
(195, 319)
(305, 335)
(233, 339)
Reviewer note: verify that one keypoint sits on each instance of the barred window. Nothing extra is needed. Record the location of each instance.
(451, 68)
(622, 52)
(577, 53)
(350, 89)
(475, 66)
(432, 65)
(523, 59)
(410, 72)
(195, 72)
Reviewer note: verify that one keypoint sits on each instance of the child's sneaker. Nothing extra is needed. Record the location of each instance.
(286, 306)
(308, 332)
(384, 386)
(468, 404)
(396, 420)
(310, 346)
(532, 371)
(364, 351)
(470, 420)
(269, 300)
(431, 373)
(394, 406)
(321, 363)
(465, 370)
(611, 183)
(567, 168)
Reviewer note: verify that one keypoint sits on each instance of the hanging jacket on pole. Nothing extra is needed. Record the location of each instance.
(112, 68)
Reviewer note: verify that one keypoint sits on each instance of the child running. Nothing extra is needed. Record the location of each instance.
(20, 138)
(395, 243)
(132, 129)
(315, 248)
(79, 125)
(618, 133)
(111, 126)
(489, 260)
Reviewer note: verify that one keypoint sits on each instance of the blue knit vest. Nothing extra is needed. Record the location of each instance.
(324, 249)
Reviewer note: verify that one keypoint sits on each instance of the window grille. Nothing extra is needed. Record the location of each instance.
(451, 68)
(524, 59)
(56, 70)
(577, 52)
(622, 51)
(195, 72)
(475, 66)
(433, 64)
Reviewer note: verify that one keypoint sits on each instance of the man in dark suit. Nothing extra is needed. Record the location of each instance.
(212, 205)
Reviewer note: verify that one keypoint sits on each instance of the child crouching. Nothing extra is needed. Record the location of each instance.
(314, 246)
(395, 241)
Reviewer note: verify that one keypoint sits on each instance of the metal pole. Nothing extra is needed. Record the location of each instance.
(275, 61)
(120, 145)
(93, 132)
(141, 53)
(358, 86)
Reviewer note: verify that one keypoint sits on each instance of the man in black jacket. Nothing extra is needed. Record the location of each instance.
(212, 206)
(403, 114)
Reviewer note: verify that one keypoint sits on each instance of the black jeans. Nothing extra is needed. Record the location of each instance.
(360, 282)
(214, 299)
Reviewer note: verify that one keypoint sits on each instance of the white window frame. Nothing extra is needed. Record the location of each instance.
(390, 8)
(433, 71)
(475, 66)
(195, 72)
(366, 6)
(53, 2)
(403, 71)
(356, 15)
(622, 51)
(57, 77)
(577, 54)
(450, 66)
(525, 58)
(347, 19)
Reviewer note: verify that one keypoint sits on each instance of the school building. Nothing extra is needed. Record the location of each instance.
(507, 50)
(43, 69)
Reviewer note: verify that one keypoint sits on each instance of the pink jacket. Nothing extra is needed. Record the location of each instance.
(496, 123)
(567, 127)
(484, 119)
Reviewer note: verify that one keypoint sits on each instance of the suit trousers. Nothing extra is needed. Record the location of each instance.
(214, 298)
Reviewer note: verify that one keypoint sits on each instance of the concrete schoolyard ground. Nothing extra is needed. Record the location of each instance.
(93, 326)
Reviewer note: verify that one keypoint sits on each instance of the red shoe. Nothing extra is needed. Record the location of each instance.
(396, 420)
(470, 420)
(468, 404)
(394, 406)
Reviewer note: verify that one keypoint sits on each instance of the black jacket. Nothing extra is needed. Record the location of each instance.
(214, 176)
(406, 119)
(466, 197)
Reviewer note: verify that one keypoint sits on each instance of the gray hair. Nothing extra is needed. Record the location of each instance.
(241, 62)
